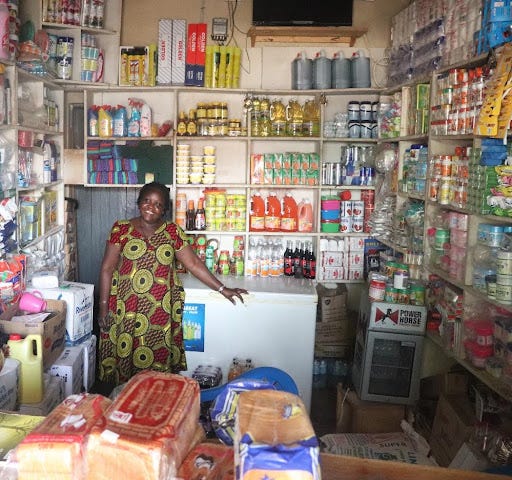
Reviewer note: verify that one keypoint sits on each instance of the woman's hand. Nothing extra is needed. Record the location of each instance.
(105, 322)
(231, 293)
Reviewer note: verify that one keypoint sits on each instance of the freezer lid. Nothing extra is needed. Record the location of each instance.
(282, 289)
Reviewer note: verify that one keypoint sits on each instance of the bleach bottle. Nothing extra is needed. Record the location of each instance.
(302, 72)
(340, 71)
(321, 71)
(29, 352)
(360, 70)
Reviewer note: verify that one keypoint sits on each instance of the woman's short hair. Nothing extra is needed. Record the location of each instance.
(156, 187)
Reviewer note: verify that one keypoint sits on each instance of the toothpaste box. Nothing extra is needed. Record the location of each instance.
(79, 298)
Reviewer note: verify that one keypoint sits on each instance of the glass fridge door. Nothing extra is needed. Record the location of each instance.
(392, 367)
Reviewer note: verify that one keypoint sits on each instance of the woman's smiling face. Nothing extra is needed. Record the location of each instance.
(152, 206)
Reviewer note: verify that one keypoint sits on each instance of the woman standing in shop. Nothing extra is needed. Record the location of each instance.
(141, 297)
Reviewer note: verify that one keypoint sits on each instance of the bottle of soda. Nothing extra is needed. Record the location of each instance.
(288, 260)
(200, 218)
(303, 260)
(312, 264)
(297, 260)
(190, 216)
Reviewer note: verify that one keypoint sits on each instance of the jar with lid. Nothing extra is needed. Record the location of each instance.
(255, 117)
(265, 124)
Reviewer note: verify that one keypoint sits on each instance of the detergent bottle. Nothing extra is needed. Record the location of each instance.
(289, 220)
(273, 215)
(257, 216)
(29, 352)
(305, 216)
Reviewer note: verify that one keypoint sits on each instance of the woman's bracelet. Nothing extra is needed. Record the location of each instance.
(221, 288)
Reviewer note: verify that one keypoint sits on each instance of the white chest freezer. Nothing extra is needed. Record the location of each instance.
(275, 327)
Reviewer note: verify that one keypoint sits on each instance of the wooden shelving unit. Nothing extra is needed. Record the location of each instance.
(303, 34)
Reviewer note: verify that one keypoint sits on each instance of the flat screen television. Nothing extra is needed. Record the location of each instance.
(302, 12)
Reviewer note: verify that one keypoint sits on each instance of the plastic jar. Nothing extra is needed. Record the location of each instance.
(479, 354)
(504, 263)
(504, 288)
(417, 294)
(354, 129)
(377, 288)
(365, 111)
(484, 334)
(354, 109)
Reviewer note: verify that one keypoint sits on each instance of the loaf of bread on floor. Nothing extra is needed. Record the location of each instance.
(274, 437)
(149, 429)
(55, 449)
(208, 461)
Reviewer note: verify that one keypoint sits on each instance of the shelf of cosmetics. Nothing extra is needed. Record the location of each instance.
(265, 117)
(457, 99)
(473, 332)
(471, 178)
(490, 257)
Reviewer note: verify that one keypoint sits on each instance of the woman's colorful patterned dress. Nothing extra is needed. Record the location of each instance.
(146, 300)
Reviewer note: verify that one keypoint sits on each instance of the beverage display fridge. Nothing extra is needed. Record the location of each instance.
(387, 353)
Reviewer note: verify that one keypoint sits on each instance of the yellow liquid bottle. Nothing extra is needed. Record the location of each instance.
(29, 352)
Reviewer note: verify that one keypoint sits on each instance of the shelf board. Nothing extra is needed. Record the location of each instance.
(302, 34)
(499, 386)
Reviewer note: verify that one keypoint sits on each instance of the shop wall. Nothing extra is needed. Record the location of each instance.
(264, 66)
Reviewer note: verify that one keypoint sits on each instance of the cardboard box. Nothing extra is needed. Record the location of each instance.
(453, 424)
(70, 366)
(338, 350)
(338, 331)
(354, 415)
(53, 395)
(164, 76)
(89, 349)
(450, 383)
(79, 298)
(178, 51)
(190, 57)
(200, 55)
(53, 330)
(332, 302)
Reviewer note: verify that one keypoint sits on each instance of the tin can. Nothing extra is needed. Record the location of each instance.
(357, 208)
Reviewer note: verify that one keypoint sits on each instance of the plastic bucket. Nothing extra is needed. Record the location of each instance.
(277, 377)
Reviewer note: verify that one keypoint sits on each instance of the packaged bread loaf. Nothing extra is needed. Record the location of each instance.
(148, 429)
(55, 449)
(208, 461)
(274, 437)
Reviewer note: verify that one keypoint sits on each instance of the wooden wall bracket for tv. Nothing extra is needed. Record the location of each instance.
(304, 34)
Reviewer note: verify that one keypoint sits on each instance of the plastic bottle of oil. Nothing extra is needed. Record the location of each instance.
(29, 352)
